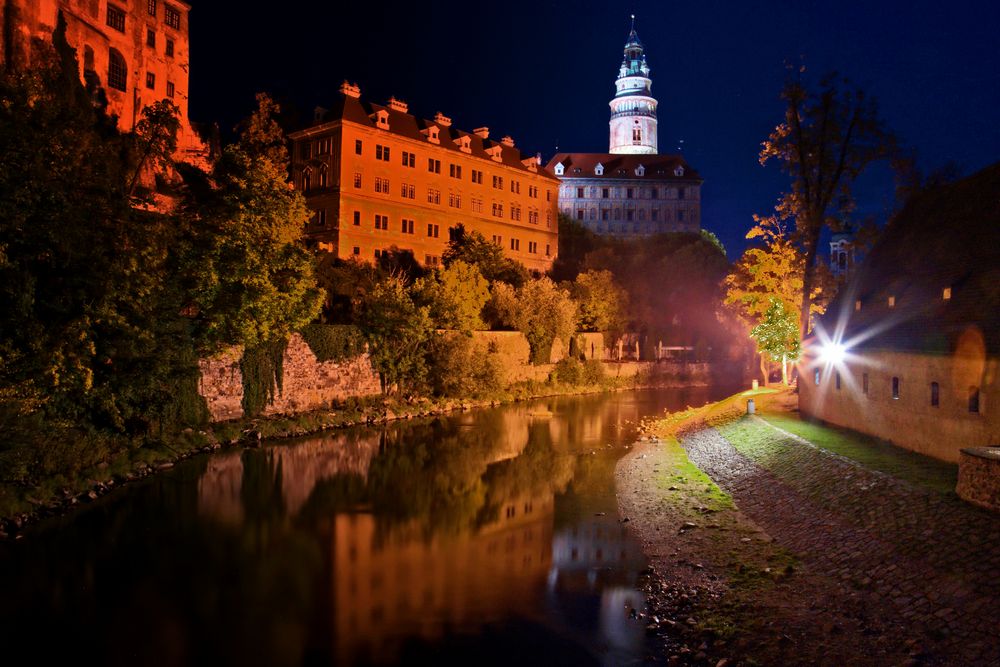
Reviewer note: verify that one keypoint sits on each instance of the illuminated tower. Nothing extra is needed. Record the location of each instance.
(633, 109)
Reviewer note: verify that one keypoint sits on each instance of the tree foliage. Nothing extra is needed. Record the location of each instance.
(397, 331)
(472, 248)
(777, 334)
(829, 136)
(455, 295)
(602, 304)
(543, 312)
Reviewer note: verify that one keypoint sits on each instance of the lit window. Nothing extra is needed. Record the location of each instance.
(117, 70)
(946, 293)
(116, 18)
(816, 376)
(172, 17)
(857, 305)
(357, 179)
(892, 301)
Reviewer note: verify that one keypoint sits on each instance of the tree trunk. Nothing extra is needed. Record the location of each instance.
(784, 370)
(811, 243)
(763, 368)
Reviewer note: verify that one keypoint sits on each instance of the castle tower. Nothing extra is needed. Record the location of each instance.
(633, 109)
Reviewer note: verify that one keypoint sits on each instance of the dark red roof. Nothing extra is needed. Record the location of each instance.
(946, 237)
(361, 112)
(657, 167)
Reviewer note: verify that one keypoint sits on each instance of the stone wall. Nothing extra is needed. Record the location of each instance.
(910, 420)
(307, 383)
(979, 477)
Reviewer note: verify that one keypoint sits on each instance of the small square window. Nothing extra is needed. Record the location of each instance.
(150, 80)
(357, 250)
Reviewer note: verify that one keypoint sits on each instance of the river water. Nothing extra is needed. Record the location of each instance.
(486, 537)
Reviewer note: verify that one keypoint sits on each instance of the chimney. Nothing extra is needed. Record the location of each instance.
(441, 119)
(350, 89)
(538, 158)
(398, 105)
(507, 141)
(482, 132)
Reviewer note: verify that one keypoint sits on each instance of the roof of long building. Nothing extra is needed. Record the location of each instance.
(404, 124)
(617, 165)
(947, 237)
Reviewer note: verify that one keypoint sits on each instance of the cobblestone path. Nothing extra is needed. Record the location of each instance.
(928, 559)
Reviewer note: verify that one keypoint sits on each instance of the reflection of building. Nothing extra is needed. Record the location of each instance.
(921, 322)
(405, 585)
(631, 190)
(595, 545)
(378, 177)
(137, 52)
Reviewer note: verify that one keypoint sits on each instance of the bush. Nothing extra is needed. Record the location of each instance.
(459, 368)
(568, 371)
(334, 342)
(593, 372)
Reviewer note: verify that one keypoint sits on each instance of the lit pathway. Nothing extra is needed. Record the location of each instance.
(927, 559)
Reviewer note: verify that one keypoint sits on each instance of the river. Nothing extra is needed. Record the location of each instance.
(483, 537)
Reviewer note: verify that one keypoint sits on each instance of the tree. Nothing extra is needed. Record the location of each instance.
(827, 139)
(778, 336)
(258, 281)
(397, 331)
(455, 295)
(155, 139)
(543, 313)
(602, 304)
(472, 248)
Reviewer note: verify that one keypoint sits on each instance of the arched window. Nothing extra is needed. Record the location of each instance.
(322, 176)
(117, 71)
(306, 180)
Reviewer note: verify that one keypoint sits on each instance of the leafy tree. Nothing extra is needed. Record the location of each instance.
(544, 312)
(258, 281)
(155, 139)
(778, 336)
(397, 331)
(345, 282)
(460, 368)
(828, 138)
(472, 247)
(455, 295)
(602, 303)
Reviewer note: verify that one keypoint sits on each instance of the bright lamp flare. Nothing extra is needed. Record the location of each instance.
(833, 353)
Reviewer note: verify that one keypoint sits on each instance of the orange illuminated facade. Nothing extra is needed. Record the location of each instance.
(136, 51)
(379, 178)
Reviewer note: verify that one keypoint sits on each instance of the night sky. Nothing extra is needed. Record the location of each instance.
(543, 72)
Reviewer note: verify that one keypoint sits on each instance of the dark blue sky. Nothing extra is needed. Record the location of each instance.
(543, 72)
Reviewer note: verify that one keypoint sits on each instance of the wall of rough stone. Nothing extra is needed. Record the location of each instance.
(910, 421)
(979, 477)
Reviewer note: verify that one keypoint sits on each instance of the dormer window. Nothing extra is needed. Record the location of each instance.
(946, 294)
(679, 171)
(640, 171)
(495, 153)
(432, 133)
(382, 119)
(559, 169)
(599, 169)
(892, 301)
(577, 170)
(857, 305)
(464, 144)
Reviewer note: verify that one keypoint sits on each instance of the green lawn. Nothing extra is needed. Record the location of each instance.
(872, 453)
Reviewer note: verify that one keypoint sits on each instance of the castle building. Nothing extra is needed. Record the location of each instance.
(136, 51)
(632, 190)
(842, 255)
(379, 178)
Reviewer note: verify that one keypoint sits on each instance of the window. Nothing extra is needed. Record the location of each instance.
(498, 182)
(579, 214)
(409, 159)
(454, 200)
(172, 17)
(432, 260)
(150, 80)
(532, 247)
(116, 18)
(548, 252)
(357, 146)
(935, 394)
(628, 215)
(407, 226)
(946, 293)
(857, 305)
(455, 170)
(357, 250)
(382, 185)
(322, 176)
(477, 205)
(150, 37)
(629, 193)
(636, 135)
(381, 152)
(515, 244)
(515, 212)
(433, 166)
(433, 231)
(357, 220)
(357, 179)
(408, 191)
(816, 377)
(477, 176)
(321, 218)
(170, 89)
(548, 195)
(605, 213)
(836, 378)
(151, 7)
(974, 399)
(117, 70)
(533, 191)
(170, 48)
(864, 384)
(433, 196)
(305, 150)
(306, 180)
(895, 388)
(533, 217)
(579, 193)
(381, 221)
(515, 186)
(654, 193)
(892, 301)
(497, 239)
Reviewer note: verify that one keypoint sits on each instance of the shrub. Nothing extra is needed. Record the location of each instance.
(334, 342)
(568, 371)
(593, 372)
(459, 368)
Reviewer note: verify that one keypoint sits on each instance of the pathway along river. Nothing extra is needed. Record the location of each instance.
(486, 537)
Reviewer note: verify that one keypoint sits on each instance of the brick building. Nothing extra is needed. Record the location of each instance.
(377, 178)
(135, 50)
(631, 190)
(917, 325)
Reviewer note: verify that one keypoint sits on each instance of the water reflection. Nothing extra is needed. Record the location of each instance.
(445, 539)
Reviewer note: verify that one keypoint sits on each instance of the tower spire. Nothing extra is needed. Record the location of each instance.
(633, 109)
